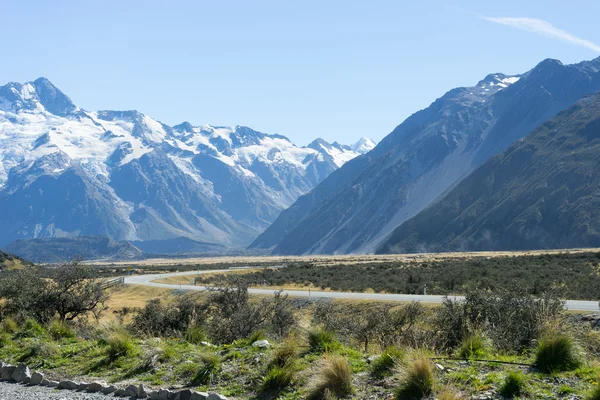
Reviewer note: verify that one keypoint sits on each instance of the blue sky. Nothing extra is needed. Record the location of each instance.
(305, 69)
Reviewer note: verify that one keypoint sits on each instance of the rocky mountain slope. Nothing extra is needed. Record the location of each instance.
(541, 193)
(65, 171)
(360, 204)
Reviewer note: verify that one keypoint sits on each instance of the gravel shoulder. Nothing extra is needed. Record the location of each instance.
(15, 391)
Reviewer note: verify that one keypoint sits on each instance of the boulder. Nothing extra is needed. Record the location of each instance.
(162, 394)
(36, 378)
(215, 396)
(21, 374)
(263, 344)
(131, 391)
(68, 385)
(96, 386)
(7, 372)
(142, 393)
(199, 396)
(83, 386)
(50, 383)
(108, 389)
(183, 395)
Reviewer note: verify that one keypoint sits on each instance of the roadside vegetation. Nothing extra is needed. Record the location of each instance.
(576, 274)
(495, 344)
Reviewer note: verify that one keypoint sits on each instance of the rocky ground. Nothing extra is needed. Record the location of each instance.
(15, 391)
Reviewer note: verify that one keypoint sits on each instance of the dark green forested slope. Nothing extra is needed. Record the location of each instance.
(542, 192)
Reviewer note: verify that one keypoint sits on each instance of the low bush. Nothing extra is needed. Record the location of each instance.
(336, 379)
(31, 329)
(195, 334)
(418, 381)
(472, 346)
(322, 341)
(513, 385)
(385, 364)
(40, 349)
(59, 329)
(8, 325)
(279, 378)
(556, 352)
(210, 365)
(120, 344)
(5, 339)
(286, 353)
(158, 318)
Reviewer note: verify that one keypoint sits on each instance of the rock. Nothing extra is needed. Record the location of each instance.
(36, 378)
(21, 374)
(108, 389)
(96, 386)
(183, 395)
(120, 392)
(162, 394)
(215, 396)
(440, 367)
(7, 372)
(141, 392)
(207, 344)
(372, 358)
(83, 386)
(52, 384)
(263, 344)
(69, 385)
(131, 391)
(199, 396)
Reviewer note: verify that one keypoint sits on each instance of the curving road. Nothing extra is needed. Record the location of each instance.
(146, 280)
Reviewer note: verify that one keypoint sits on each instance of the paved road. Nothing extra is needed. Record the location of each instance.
(574, 305)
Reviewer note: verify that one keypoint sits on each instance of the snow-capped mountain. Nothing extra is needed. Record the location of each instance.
(65, 171)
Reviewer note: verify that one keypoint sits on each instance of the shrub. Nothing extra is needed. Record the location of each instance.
(418, 381)
(120, 344)
(513, 385)
(59, 329)
(556, 352)
(41, 349)
(286, 353)
(8, 325)
(384, 365)
(195, 335)
(163, 319)
(210, 365)
(472, 346)
(336, 379)
(322, 341)
(31, 329)
(279, 378)
(5, 339)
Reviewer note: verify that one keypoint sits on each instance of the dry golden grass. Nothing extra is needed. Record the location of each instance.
(132, 296)
(185, 279)
(325, 260)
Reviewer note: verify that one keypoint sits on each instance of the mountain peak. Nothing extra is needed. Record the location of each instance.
(363, 145)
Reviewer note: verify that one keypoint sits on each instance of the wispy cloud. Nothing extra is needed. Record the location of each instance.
(543, 28)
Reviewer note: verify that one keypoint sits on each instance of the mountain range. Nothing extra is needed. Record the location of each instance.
(542, 192)
(67, 172)
(359, 205)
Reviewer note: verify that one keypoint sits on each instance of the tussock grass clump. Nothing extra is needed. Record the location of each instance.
(594, 394)
(556, 352)
(120, 344)
(210, 365)
(279, 378)
(513, 385)
(59, 329)
(8, 325)
(418, 381)
(195, 334)
(336, 380)
(384, 365)
(322, 341)
(472, 346)
(41, 349)
(286, 353)
(31, 329)
(447, 394)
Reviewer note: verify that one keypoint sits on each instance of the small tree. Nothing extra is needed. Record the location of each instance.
(68, 291)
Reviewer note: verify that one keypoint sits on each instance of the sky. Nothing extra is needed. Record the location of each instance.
(305, 69)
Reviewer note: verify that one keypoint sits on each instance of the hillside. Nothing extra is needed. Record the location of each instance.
(541, 193)
(359, 205)
(10, 261)
(52, 250)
